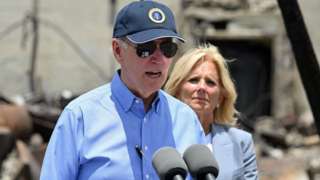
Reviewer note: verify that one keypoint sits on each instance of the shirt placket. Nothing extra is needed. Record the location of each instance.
(145, 147)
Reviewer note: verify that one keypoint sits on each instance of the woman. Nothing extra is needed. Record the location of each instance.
(200, 78)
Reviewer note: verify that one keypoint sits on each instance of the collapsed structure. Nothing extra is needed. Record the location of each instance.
(250, 33)
(271, 98)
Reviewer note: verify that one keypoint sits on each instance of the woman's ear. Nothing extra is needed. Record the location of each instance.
(222, 96)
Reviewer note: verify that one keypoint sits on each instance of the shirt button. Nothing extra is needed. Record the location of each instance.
(137, 101)
(147, 176)
(144, 120)
(146, 148)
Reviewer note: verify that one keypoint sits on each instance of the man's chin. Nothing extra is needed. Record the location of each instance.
(155, 85)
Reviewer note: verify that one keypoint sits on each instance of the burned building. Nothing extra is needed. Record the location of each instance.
(271, 97)
(249, 33)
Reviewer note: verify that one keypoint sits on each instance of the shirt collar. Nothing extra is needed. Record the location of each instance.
(125, 97)
(155, 103)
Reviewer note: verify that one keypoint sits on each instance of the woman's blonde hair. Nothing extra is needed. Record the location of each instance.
(225, 113)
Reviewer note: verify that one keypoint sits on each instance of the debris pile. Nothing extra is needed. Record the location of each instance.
(287, 149)
(24, 132)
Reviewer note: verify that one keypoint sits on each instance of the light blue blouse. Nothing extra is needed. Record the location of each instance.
(235, 153)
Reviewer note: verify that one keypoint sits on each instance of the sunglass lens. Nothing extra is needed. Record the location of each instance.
(146, 49)
(169, 49)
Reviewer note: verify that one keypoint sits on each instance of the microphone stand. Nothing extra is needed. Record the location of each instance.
(210, 176)
(178, 177)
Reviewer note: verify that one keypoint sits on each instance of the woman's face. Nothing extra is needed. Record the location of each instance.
(201, 89)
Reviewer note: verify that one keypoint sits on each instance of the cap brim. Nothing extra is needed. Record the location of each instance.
(153, 34)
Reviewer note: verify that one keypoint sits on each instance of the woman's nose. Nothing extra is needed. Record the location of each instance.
(202, 86)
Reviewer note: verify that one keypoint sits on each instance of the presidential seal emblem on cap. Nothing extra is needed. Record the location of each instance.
(156, 15)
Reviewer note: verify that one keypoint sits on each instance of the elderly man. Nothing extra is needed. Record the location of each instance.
(112, 132)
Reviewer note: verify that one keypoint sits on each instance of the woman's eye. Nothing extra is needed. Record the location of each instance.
(210, 82)
(193, 80)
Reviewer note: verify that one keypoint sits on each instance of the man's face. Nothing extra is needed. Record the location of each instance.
(143, 75)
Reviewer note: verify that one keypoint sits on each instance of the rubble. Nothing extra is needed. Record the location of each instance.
(7, 140)
(284, 153)
(286, 141)
(273, 102)
(17, 119)
(24, 132)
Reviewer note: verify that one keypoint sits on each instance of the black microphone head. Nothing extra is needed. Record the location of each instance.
(168, 163)
(200, 161)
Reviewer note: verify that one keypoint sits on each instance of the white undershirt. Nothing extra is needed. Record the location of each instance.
(208, 141)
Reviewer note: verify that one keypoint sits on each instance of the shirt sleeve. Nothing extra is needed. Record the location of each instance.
(250, 163)
(61, 159)
(188, 130)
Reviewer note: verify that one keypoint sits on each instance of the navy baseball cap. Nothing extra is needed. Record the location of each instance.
(143, 21)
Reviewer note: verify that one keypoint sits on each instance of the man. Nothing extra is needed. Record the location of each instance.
(112, 132)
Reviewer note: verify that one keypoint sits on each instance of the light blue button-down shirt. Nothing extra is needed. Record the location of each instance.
(97, 134)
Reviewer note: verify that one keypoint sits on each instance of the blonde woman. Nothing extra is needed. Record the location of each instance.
(201, 79)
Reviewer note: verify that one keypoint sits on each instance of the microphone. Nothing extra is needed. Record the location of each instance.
(201, 162)
(169, 164)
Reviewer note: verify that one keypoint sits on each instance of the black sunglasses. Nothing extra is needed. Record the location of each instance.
(168, 48)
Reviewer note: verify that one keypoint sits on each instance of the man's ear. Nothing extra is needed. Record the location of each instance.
(116, 49)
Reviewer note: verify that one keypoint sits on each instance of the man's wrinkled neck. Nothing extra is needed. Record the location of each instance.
(147, 99)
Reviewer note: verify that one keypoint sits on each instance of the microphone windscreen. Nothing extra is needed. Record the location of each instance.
(200, 161)
(168, 163)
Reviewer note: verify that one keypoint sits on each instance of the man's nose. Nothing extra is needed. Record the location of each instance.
(157, 56)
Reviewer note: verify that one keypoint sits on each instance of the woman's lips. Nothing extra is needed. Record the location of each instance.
(200, 99)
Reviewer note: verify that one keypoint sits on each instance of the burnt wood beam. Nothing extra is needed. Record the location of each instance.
(304, 54)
